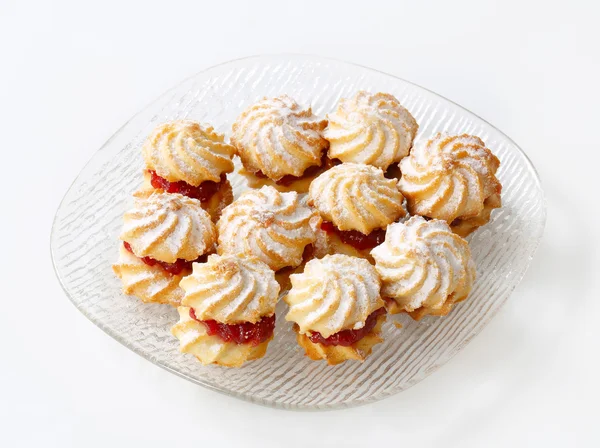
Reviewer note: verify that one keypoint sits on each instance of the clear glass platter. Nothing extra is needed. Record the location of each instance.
(84, 238)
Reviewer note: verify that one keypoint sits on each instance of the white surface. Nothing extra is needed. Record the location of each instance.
(71, 74)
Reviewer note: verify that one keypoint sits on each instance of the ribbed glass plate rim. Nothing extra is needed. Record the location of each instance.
(99, 323)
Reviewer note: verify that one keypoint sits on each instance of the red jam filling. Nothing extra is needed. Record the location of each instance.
(346, 338)
(288, 179)
(355, 238)
(172, 268)
(244, 333)
(202, 192)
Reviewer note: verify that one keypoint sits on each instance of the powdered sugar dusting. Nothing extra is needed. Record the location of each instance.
(188, 151)
(356, 197)
(449, 177)
(334, 293)
(268, 224)
(422, 264)
(168, 226)
(277, 137)
(371, 129)
(231, 289)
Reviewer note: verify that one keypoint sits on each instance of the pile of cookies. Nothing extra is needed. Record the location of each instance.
(344, 217)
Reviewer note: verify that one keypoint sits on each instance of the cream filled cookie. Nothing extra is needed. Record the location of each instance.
(227, 315)
(374, 129)
(425, 268)
(337, 308)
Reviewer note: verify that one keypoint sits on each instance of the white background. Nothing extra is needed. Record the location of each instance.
(72, 73)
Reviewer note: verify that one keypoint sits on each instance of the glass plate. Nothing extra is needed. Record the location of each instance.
(84, 238)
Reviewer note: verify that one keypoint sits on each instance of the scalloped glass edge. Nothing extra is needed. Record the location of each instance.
(263, 402)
